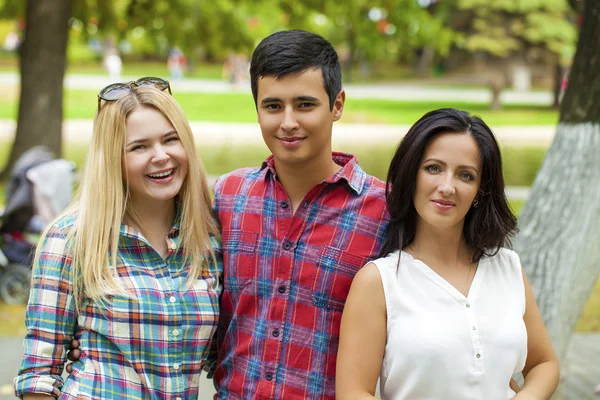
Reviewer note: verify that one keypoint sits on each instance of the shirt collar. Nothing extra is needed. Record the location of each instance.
(351, 172)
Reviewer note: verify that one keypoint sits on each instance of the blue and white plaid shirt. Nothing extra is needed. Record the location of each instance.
(152, 345)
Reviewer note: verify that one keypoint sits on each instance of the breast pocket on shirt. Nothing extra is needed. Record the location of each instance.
(239, 258)
(335, 270)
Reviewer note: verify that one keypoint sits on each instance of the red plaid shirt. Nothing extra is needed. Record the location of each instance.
(287, 277)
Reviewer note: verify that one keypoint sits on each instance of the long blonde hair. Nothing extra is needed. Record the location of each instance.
(102, 200)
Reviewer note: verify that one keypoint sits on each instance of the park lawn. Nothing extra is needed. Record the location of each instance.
(239, 107)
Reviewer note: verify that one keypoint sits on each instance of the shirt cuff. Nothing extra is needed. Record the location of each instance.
(41, 384)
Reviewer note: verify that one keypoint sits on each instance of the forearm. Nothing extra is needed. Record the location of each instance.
(37, 396)
(540, 381)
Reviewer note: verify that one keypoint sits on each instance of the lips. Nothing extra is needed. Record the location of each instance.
(162, 174)
(444, 202)
(443, 205)
(291, 139)
(291, 142)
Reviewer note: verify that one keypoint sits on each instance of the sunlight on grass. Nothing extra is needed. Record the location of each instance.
(239, 107)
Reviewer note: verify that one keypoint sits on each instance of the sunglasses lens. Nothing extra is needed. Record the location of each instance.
(114, 92)
(157, 83)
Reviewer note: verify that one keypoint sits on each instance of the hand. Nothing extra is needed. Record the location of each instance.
(73, 354)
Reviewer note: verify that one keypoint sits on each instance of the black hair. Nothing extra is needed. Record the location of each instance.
(293, 52)
(487, 227)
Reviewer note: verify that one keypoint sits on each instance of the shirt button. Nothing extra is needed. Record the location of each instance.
(468, 305)
(175, 332)
(474, 328)
(172, 299)
(177, 398)
(305, 204)
(275, 332)
(283, 204)
(478, 355)
(281, 289)
(269, 376)
(176, 366)
(287, 245)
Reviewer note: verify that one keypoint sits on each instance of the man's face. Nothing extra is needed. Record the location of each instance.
(295, 119)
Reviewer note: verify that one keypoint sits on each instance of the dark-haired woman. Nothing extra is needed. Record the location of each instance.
(446, 312)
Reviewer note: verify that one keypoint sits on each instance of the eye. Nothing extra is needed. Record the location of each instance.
(172, 139)
(433, 168)
(465, 176)
(271, 106)
(137, 147)
(306, 105)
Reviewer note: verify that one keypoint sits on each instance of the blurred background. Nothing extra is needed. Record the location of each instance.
(507, 61)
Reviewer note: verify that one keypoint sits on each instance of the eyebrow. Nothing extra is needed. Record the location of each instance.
(145, 139)
(299, 98)
(443, 163)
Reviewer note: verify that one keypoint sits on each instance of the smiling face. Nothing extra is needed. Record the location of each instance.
(448, 180)
(295, 118)
(155, 161)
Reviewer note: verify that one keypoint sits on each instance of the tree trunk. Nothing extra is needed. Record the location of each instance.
(425, 62)
(560, 224)
(43, 61)
(557, 86)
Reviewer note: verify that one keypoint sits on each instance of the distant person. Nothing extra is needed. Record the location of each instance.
(447, 311)
(176, 63)
(132, 269)
(113, 65)
(11, 41)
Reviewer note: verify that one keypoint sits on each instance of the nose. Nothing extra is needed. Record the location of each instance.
(446, 186)
(160, 156)
(289, 122)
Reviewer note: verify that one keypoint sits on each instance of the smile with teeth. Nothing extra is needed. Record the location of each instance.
(161, 175)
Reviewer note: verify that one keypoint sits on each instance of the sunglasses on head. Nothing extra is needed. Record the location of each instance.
(115, 91)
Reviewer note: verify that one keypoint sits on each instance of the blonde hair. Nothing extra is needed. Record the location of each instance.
(95, 238)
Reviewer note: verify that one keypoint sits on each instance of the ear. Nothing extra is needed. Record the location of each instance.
(338, 105)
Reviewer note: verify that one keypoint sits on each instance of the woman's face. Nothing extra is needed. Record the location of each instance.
(155, 160)
(447, 180)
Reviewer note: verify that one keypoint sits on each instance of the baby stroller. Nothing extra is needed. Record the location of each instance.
(38, 189)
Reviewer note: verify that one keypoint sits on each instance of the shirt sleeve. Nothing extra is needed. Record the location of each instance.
(210, 364)
(50, 318)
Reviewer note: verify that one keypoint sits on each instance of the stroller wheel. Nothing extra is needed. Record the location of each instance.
(14, 284)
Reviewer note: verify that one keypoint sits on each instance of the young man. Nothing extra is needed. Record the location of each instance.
(295, 231)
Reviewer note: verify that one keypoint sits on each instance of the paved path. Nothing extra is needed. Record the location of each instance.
(392, 91)
(582, 361)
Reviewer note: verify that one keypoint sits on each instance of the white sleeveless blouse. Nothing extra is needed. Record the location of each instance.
(443, 345)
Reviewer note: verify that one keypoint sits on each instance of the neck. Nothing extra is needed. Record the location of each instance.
(155, 216)
(299, 180)
(440, 243)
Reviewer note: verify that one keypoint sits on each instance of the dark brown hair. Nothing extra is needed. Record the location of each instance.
(489, 226)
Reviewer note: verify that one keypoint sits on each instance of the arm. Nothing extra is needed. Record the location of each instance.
(363, 335)
(541, 368)
(50, 319)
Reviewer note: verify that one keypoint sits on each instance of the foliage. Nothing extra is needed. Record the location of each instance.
(534, 29)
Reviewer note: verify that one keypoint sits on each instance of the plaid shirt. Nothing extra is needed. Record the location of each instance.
(287, 277)
(150, 346)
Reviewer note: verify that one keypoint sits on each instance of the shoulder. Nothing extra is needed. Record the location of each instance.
(233, 180)
(505, 256)
(368, 278)
(62, 225)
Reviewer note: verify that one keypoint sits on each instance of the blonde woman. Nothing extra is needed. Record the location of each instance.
(132, 269)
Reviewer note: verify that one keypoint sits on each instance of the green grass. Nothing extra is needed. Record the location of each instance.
(239, 107)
